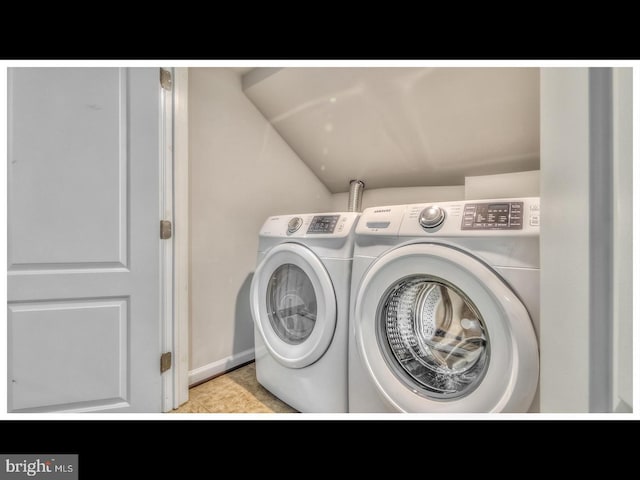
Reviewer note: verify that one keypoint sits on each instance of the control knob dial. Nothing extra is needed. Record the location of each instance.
(294, 224)
(431, 217)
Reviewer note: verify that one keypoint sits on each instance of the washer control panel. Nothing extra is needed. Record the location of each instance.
(499, 217)
(492, 216)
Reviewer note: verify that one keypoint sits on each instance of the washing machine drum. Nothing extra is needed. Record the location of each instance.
(293, 305)
(440, 331)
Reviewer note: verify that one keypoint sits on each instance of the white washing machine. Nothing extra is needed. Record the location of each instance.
(300, 307)
(445, 308)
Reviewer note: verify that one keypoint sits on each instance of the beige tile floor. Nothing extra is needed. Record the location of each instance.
(237, 391)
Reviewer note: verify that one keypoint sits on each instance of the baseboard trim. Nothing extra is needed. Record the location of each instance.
(211, 370)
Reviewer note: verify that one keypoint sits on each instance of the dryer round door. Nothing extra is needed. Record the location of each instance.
(293, 304)
(439, 331)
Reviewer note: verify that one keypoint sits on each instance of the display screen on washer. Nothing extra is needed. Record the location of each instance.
(492, 216)
(323, 224)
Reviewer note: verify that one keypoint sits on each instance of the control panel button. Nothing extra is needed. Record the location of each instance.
(534, 215)
(431, 217)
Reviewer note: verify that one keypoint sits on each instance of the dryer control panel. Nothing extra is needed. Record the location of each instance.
(323, 224)
(306, 225)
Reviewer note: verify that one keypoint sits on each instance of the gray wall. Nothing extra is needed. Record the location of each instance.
(241, 172)
(585, 188)
(564, 245)
(397, 196)
(516, 184)
(623, 237)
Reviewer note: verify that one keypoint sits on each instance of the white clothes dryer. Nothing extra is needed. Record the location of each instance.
(445, 307)
(300, 306)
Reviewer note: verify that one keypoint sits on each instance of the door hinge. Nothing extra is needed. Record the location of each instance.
(165, 79)
(165, 229)
(165, 362)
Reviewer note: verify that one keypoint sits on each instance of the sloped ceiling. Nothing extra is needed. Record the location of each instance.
(394, 127)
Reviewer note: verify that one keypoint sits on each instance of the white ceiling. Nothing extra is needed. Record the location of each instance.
(241, 70)
(392, 127)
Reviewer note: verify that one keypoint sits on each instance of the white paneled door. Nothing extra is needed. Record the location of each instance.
(84, 325)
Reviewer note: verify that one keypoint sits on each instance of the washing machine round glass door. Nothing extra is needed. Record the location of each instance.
(440, 331)
(293, 304)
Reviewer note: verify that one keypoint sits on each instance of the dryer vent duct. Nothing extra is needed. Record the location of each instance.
(355, 195)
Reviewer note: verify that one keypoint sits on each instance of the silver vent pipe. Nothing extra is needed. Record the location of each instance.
(355, 195)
